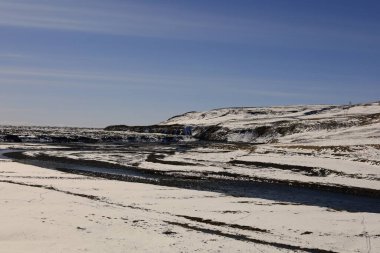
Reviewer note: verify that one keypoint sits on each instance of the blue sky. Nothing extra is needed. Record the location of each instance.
(95, 63)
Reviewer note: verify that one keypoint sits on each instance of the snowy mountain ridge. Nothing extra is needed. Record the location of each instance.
(281, 123)
(246, 116)
(321, 124)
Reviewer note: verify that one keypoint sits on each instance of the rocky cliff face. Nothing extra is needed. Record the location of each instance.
(175, 129)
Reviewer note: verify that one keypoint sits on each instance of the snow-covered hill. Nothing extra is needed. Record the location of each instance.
(318, 124)
(236, 117)
(284, 123)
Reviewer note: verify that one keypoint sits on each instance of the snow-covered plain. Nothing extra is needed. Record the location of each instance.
(50, 211)
(313, 188)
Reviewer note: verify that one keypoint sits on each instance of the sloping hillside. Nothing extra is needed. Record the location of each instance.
(319, 124)
(284, 124)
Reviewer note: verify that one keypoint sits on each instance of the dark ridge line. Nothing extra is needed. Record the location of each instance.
(199, 185)
(241, 237)
(46, 158)
(157, 158)
(310, 171)
(185, 184)
(219, 223)
(159, 177)
(350, 190)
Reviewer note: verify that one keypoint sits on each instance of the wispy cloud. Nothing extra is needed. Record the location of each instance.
(44, 77)
(150, 20)
(50, 78)
(110, 18)
(12, 56)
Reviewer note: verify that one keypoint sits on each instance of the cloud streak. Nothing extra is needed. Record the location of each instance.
(12, 56)
(143, 20)
(50, 78)
(127, 19)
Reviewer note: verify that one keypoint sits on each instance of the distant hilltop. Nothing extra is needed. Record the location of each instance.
(277, 124)
(264, 124)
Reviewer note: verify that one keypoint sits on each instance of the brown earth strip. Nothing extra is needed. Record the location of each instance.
(219, 223)
(248, 239)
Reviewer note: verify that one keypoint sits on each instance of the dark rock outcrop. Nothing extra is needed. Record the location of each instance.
(159, 129)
